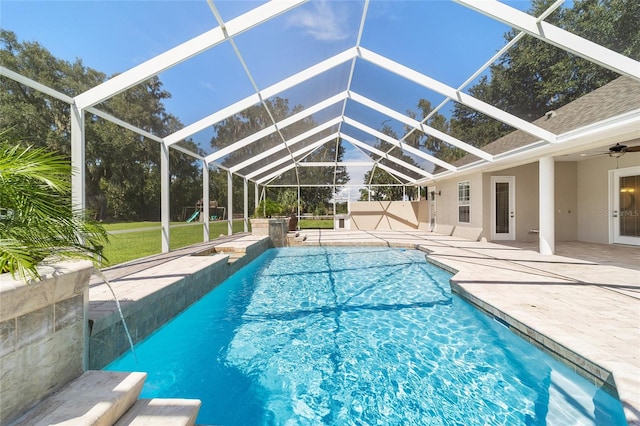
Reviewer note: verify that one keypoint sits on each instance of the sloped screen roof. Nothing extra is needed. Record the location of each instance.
(271, 89)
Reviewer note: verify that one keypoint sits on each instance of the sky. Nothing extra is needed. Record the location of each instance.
(438, 38)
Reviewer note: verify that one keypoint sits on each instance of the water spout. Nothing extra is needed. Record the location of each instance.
(124, 323)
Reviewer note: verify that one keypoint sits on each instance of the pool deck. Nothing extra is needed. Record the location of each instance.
(583, 306)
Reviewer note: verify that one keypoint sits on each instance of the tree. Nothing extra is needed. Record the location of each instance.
(378, 176)
(122, 169)
(433, 145)
(257, 118)
(534, 77)
(331, 178)
(36, 218)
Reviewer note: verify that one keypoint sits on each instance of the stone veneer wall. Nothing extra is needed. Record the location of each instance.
(108, 339)
(275, 228)
(42, 334)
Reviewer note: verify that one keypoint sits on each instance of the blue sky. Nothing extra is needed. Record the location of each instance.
(439, 38)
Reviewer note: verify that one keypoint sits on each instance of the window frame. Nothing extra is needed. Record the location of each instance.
(464, 201)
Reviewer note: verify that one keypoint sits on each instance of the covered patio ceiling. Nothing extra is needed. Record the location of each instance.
(343, 75)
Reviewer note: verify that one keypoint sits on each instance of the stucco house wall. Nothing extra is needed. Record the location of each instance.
(593, 195)
(447, 202)
(527, 201)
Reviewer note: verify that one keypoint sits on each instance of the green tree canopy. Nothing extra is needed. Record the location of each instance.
(378, 176)
(122, 180)
(534, 77)
(256, 118)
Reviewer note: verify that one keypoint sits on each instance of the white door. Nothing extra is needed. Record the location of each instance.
(503, 207)
(624, 190)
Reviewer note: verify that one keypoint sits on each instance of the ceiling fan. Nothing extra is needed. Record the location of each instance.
(619, 150)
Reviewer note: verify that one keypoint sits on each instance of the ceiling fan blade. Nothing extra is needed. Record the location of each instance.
(633, 149)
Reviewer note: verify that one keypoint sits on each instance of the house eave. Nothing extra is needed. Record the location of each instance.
(621, 128)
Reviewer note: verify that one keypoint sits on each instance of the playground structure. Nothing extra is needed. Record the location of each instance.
(198, 209)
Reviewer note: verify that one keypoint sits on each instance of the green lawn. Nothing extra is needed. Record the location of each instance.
(133, 245)
(315, 223)
(140, 242)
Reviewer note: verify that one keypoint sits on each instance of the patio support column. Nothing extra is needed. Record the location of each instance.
(298, 207)
(165, 206)
(230, 203)
(78, 199)
(256, 196)
(246, 205)
(205, 201)
(547, 207)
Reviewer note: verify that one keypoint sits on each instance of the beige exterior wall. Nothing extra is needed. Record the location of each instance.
(593, 195)
(447, 202)
(385, 215)
(527, 197)
(566, 200)
(526, 185)
(527, 200)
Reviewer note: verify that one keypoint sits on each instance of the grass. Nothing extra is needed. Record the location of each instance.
(140, 242)
(126, 246)
(315, 223)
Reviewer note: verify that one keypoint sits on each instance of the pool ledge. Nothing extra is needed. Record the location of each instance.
(153, 295)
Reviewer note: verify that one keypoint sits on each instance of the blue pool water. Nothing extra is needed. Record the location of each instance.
(356, 336)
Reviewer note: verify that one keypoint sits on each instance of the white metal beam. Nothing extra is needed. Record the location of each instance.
(420, 126)
(309, 73)
(404, 146)
(78, 146)
(383, 154)
(286, 144)
(124, 124)
(276, 173)
(452, 93)
(273, 128)
(184, 51)
(295, 154)
(273, 90)
(395, 173)
(335, 163)
(35, 85)
(556, 36)
(205, 201)
(212, 119)
(165, 202)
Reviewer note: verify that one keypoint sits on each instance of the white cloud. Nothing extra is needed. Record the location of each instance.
(326, 22)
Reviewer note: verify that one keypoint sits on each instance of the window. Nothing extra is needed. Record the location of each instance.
(463, 201)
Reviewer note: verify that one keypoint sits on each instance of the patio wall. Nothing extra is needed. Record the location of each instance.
(527, 201)
(386, 215)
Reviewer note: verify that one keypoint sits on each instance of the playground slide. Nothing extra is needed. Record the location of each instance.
(194, 216)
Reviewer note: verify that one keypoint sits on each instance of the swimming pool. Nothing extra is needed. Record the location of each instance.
(356, 335)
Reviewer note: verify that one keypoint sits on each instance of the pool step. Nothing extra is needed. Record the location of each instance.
(108, 398)
(295, 238)
(97, 398)
(161, 412)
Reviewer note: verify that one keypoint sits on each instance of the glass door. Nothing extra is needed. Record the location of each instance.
(503, 208)
(625, 205)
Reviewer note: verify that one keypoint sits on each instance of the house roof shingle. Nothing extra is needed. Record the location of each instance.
(617, 97)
